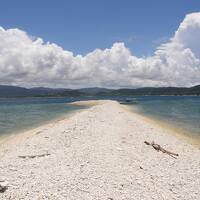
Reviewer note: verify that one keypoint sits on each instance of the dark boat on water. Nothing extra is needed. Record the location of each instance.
(128, 101)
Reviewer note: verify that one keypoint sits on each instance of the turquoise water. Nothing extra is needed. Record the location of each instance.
(21, 114)
(181, 112)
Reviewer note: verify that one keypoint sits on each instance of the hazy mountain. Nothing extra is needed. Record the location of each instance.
(14, 91)
(159, 91)
(47, 91)
(94, 90)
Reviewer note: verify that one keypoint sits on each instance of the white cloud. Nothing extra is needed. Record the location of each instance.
(30, 62)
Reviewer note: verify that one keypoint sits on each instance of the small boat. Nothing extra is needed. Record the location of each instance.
(130, 101)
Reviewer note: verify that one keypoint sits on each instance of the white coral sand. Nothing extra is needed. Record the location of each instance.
(99, 154)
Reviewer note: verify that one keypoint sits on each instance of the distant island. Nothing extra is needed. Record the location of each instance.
(14, 91)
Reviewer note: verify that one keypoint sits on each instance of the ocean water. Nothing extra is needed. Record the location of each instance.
(180, 112)
(20, 114)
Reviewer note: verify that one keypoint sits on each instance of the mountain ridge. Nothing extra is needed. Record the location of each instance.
(7, 91)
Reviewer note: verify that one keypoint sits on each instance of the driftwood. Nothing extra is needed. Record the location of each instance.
(34, 156)
(157, 147)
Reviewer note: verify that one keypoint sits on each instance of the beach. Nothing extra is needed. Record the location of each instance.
(99, 153)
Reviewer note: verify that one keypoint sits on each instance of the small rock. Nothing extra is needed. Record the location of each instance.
(3, 186)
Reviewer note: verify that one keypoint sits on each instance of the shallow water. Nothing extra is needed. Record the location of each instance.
(21, 114)
(181, 112)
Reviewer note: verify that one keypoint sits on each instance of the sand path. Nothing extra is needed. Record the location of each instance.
(100, 154)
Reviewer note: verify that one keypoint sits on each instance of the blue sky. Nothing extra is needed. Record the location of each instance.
(105, 43)
(82, 26)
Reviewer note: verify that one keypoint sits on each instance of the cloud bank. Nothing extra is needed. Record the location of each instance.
(26, 61)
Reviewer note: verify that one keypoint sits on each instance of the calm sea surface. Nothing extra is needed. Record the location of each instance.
(24, 113)
(182, 112)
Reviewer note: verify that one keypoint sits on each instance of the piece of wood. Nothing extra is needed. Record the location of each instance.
(34, 156)
(157, 147)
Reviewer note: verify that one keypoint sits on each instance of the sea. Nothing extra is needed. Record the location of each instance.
(181, 113)
(21, 114)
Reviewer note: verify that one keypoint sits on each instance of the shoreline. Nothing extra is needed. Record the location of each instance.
(172, 129)
(99, 153)
(7, 139)
(29, 131)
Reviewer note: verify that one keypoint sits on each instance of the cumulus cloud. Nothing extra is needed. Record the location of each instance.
(30, 62)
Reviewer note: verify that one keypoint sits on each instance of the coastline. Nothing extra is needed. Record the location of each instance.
(172, 129)
(99, 153)
(13, 138)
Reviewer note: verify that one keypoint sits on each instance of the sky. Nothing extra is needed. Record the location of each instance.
(107, 43)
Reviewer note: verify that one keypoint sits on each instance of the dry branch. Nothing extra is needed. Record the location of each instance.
(157, 147)
(34, 156)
